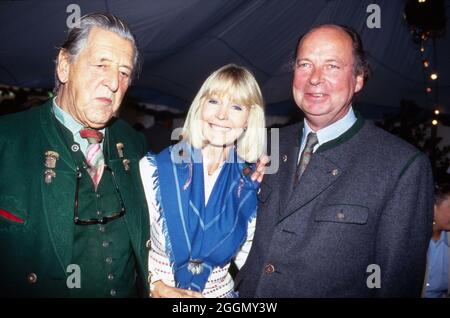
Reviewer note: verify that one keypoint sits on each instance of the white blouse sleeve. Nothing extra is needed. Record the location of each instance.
(147, 171)
(242, 255)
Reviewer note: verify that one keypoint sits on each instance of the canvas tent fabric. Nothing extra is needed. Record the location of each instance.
(182, 41)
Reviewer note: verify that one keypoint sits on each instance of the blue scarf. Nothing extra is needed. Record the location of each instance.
(201, 237)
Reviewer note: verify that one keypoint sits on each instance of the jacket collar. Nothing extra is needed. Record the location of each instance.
(58, 211)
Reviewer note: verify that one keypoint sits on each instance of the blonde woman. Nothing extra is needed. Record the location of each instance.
(201, 198)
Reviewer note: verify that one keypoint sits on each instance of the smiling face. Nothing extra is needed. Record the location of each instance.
(228, 101)
(223, 120)
(95, 83)
(324, 82)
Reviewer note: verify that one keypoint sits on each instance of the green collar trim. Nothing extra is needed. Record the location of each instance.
(410, 161)
(344, 137)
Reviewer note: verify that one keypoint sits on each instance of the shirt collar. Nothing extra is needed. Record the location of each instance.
(445, 237)
(66, 119)
(332, 131)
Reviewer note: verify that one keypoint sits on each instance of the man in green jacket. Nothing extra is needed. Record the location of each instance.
(73, 218)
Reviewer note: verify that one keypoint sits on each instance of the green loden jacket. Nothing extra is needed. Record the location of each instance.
(36, 218)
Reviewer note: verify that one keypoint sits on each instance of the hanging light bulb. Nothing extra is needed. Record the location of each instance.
(434, 122)
(434, 76)
(422, 49)
(436, 112)
(425, 63)
(428, 89)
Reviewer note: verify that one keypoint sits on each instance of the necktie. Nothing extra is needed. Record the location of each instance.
(94, 154)
(311, 141)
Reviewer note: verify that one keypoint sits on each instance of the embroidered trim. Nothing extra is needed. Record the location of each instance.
(160, 209)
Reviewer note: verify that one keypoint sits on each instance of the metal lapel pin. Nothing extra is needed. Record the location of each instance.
(50, 163)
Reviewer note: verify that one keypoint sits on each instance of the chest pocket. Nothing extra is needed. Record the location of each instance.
(343, 213)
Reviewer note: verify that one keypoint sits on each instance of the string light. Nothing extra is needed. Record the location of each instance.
(427, 21)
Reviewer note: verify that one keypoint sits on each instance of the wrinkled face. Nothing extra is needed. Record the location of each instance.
(442, 215)
(324, 82)
(223, 121)
(95, 83)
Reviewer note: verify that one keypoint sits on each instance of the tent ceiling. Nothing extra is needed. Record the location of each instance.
(182, 41)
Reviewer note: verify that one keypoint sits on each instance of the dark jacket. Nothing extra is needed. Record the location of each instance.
(365, 198)
(36, 219)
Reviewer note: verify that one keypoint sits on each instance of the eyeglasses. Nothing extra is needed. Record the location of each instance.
(100, 220)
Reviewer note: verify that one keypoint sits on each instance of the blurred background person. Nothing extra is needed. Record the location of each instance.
(437, 277)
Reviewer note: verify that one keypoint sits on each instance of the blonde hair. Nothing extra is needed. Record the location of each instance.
(239, 85)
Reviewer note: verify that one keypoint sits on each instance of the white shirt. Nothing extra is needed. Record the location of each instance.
(209, 180)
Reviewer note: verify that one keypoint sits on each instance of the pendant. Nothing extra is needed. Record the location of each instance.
(195, 266)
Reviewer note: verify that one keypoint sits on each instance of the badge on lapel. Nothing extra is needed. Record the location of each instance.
(119, 147)
(50, 158)
(125, 162)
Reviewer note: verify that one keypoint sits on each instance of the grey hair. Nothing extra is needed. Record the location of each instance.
(77, 38)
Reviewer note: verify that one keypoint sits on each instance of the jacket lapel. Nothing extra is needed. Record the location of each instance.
(58, 196)
(318, 176)
(289, 149)
(320, 173)
(129, 185)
